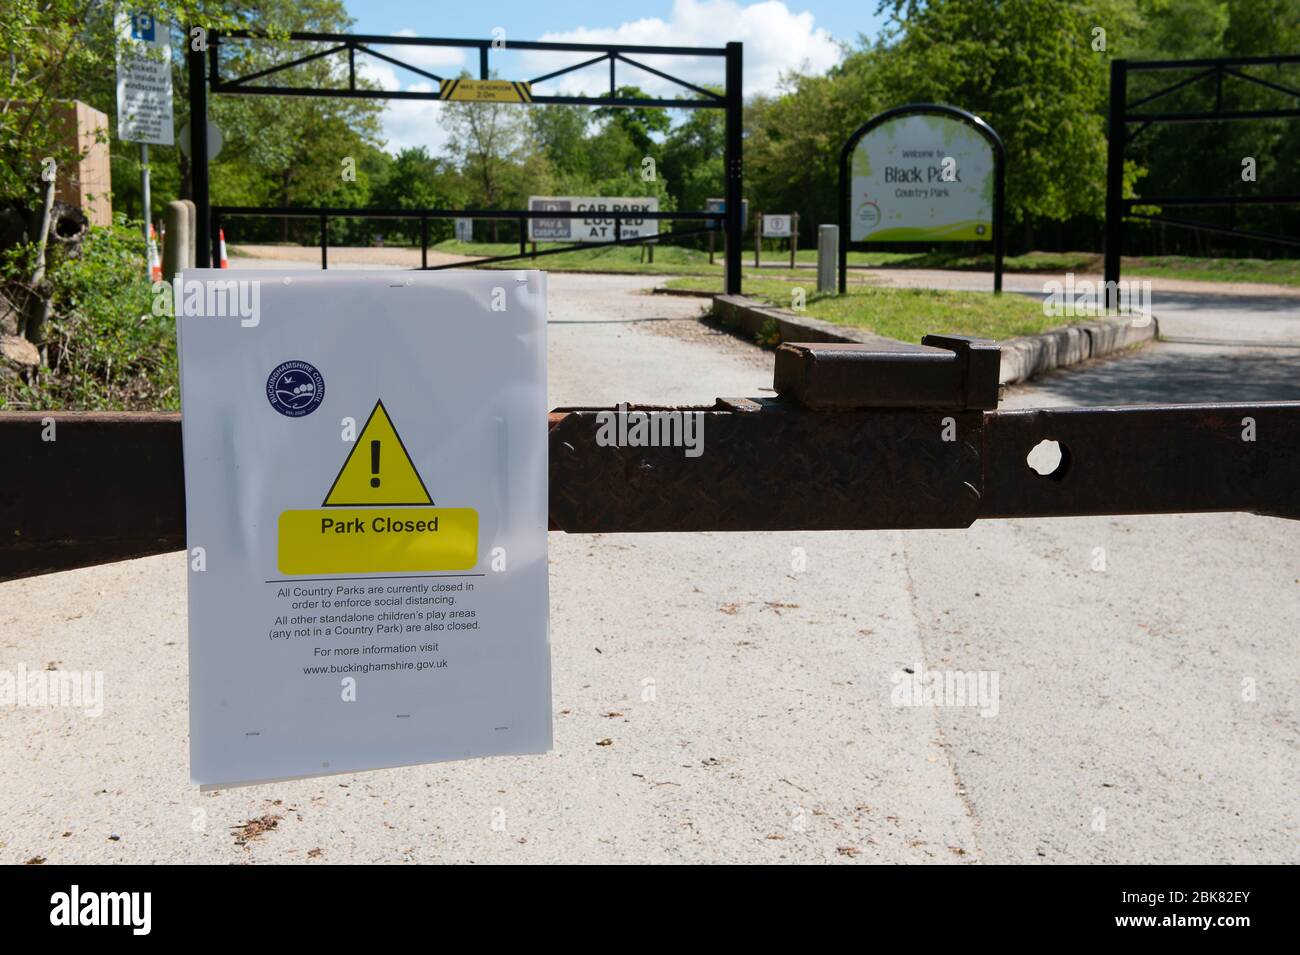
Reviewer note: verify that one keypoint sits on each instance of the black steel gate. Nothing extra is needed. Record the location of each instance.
(1123, 114)
(205, 75)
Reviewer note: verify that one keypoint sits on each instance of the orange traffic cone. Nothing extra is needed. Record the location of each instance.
(155, 262)
(221, 237)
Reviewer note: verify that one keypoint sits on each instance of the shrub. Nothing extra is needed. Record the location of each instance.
(104, 348)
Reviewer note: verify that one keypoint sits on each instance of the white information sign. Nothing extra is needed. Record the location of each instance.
(144, 80)
(594, 229)
(366, 513)
(921, 177)
(776, 227)
(464, 230)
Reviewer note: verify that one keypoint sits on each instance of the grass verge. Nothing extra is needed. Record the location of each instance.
(908, 314)
(1269, 271)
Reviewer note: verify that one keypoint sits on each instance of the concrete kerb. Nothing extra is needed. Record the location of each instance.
(1022, 358)
(762, 321)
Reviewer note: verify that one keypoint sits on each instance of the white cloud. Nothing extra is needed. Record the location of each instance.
(406, 122)
(776, 40)
(443, 60)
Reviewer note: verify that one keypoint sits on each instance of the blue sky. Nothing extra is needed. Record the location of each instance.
(779, 36)
(843, 19)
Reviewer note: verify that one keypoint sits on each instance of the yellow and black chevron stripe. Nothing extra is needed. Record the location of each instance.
(486, 91)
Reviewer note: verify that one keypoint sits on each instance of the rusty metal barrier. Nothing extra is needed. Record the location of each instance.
(858, 438)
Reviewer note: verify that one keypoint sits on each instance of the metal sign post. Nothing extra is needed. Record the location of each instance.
(144, 93)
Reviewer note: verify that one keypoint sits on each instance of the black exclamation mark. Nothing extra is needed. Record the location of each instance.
(374, 463)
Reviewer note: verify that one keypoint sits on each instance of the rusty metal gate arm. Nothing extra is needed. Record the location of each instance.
(859, 438)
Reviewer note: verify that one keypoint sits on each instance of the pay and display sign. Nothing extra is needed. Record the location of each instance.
(366, 514)
(592, 227)
(144, 80)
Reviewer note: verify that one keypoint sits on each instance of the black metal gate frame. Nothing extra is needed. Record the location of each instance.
(208, 218)
(1122, 115)
(323, 215)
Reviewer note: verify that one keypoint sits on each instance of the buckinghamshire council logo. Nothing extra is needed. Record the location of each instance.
(295, 388)
(869, 214)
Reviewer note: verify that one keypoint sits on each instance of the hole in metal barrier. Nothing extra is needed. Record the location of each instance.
(1049, 459)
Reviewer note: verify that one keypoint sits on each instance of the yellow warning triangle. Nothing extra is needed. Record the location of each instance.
(378, 469)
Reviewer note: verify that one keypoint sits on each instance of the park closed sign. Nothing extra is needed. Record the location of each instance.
(366, 514)
(921, 176)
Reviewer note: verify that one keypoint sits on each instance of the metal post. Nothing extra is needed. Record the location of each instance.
(1113, 243)
(829, 253)
(758, 236)
(999, 214)
(424, 242)
(733, 162)
(324, 243)
(523, 237)
(202, 224)
(483, 72)
(794, 239)
(176, 238)
(842, 252)
(192, 238)
(145, 200)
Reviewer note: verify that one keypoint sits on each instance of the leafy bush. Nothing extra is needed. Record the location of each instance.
(105, 350)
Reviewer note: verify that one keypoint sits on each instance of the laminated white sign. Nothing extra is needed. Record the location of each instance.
(776, 227)
(366, 513)
(144, 80)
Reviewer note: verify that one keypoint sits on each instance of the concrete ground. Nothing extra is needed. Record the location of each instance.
(1146, 712)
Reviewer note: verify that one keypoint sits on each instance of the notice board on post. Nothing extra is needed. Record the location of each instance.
(592, 226)
(366, 514)
(922, 173)
(144, 79)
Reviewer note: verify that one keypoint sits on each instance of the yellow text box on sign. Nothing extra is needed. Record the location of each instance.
(486, 91)
(370, 540)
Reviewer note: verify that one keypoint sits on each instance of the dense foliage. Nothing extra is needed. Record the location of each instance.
(105, 349)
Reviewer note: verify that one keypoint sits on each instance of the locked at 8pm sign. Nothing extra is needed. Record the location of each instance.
(921, 178)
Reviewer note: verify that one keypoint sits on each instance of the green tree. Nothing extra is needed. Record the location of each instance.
(416, 180)
(493, 147)
(692, 158)
(561, 132)
(640, 124)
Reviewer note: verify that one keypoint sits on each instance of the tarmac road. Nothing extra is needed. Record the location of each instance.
(746, 696)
